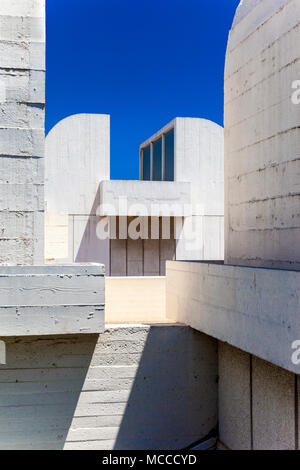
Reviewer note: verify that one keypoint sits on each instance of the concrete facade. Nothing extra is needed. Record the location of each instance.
(155, 387)
(50, 300)
(262, 135)
(64, 386)
(145, 198)
(147, 254)
(253, 309)
(198, 159)
(22, 78)
(35, 300)
(258, 403)
(77, 157)
(79, 146)
(133, 387)
(261, 194)
(235, 423)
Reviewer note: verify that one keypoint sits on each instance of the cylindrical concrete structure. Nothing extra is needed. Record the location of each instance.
(259, 402)
(262, 135)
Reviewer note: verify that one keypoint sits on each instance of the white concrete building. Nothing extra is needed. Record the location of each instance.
(175, 211)
(233, 356)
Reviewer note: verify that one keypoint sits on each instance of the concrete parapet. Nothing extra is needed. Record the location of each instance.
(253, 309)
(51, 300)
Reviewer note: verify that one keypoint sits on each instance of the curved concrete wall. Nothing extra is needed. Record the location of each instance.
(262, 136)
(77, 158)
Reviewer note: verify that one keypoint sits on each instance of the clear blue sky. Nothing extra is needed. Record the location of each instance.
(142, 62)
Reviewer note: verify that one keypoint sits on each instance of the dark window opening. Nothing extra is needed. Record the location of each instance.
(169, 156)
(146, 163)
(157, 160)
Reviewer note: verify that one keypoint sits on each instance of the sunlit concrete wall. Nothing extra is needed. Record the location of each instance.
(133, 387)
(254, 309)
(135, 299)
(77, 158)
(259, 404)
(199, 160)
(262, 135)
(22, 103)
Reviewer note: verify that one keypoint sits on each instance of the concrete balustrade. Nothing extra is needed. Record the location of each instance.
(51, 300)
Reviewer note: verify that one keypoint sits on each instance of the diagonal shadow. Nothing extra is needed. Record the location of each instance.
(173, 400)
(40, 390)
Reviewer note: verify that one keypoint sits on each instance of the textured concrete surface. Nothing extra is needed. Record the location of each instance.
(50, 300)
(197, 193)
(273, 407)
(234, 398)
(262, 135)
(22, 78)
(133, 387)
(261, 218)
(135, 300)
(23, 8)
(199, 159)
(145, 198)
(244, 8)
(77, 158)
(254, 309)
(141, 257)
(56, 236)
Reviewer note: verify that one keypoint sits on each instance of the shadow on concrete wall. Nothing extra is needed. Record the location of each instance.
(173, 400)
(40, 390)
(135, 387)
(88, 248)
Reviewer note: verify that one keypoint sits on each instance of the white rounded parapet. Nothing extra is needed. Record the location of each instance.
(244, 8)
(77, 158)
(262, 135)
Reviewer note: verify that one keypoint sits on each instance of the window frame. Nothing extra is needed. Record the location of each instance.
(161, 137)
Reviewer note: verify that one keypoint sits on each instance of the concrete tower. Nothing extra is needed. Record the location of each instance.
(262, 136)
(262, 220)
(22, 79)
